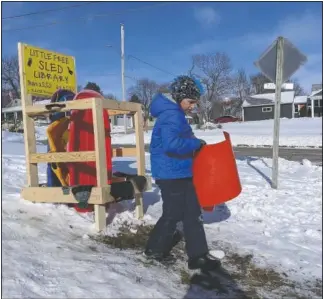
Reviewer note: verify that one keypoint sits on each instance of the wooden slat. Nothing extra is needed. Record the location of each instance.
(70, 105)
(56, 195)
(101, 160)
(140, 153)
(125, 106)
(124, 152)
(85, 156)
(63, 157)
(117, 112)
(29, 125)
(114, 107)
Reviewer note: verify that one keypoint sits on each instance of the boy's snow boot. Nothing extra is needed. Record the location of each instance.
(206, 262)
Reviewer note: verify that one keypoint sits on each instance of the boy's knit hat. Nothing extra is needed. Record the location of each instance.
(185, 87)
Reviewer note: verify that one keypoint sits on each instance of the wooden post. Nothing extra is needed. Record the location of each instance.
(140, 149)
(29, 127)
(101, 161)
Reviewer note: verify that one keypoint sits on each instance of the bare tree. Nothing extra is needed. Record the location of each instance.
(205, 108)
(163, 88)
(217, 109)
(299, 91)
(214, 71)
(258, 81)
(144, 89)
(110, 96)
(241, 89)
(10, 78)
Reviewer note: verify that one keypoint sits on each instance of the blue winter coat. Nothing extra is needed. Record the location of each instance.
(172, 142)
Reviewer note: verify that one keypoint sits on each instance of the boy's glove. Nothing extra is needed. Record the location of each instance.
(202, 144)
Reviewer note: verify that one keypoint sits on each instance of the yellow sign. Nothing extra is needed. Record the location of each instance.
(45, 71)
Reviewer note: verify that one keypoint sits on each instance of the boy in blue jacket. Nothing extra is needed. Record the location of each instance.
(172, 149)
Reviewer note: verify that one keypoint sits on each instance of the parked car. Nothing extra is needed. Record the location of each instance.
(226, 119)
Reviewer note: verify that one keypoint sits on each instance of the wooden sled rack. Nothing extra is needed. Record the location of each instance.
(100, 195)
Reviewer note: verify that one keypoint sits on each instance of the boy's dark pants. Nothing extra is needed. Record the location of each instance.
(180, 203)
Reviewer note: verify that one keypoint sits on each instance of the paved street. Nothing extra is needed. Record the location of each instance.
(292, 154)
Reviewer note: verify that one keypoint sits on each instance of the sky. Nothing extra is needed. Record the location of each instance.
(165, 35)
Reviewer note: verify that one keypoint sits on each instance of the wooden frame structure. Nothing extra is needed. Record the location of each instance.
(100, 195)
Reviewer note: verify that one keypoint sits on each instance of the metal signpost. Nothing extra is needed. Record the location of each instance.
(278, 63)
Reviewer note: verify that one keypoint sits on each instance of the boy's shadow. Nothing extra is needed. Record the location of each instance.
(224, 284)
(219, 214)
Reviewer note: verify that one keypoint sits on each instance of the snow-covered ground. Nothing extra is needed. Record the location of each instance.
(298, 132)
(46, 251)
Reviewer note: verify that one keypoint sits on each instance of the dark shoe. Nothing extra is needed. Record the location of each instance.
(139, 184)
(205, 262)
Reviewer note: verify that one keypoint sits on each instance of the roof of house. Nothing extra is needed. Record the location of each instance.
(287, 97)
(300, 100)
(316, 92)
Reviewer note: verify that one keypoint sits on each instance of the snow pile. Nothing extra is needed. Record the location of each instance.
(47, 252)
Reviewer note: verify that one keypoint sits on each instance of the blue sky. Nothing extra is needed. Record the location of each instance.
(165, 35)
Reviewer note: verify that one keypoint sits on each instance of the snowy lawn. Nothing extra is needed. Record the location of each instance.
(298, 132)
(48, 251)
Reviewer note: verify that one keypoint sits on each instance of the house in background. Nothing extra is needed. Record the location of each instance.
(314, 101)
(13, 113)
(300, 106)
(261, 106)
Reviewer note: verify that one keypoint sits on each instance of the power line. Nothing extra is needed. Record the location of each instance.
(88, 18)
(47, 10)
(145, 62)
(157, 68)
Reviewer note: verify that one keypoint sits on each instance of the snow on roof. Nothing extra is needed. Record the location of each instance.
(300, 100)
(287, 97)
(316, 92)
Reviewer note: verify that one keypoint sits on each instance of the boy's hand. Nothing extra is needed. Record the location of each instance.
(202, 143)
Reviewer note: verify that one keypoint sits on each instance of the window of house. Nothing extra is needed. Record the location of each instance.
(267, 109)
(296, 109)
(317, 103)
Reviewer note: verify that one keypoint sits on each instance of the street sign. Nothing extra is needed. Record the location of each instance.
(278, 63)
(287, 86)
(293, 59)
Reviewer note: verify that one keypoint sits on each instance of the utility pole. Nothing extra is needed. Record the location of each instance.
(123, 76)
(279, 82)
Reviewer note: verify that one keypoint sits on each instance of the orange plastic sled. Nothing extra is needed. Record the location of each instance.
(215, 174)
